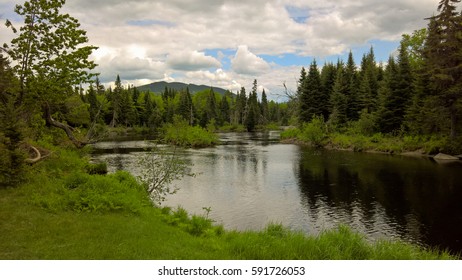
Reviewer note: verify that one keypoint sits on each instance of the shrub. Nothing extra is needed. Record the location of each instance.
(291, 133)
(180, 133)
(96, 168)
(314, 132)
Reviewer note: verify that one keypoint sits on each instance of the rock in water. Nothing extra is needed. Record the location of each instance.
(441, 156)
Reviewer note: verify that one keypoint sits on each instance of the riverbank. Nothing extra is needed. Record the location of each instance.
(62, 212)
(415, 146)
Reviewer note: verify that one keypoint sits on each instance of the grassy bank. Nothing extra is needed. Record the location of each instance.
(61, 212)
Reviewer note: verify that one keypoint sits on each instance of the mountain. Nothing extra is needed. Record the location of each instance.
(159, 87)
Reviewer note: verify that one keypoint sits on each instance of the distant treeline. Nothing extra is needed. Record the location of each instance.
(127, 106)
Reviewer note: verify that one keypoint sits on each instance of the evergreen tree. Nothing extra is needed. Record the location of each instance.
(148, 108)
(311, 96)
(240, 107)
(351, 93)
(211, 106)
(369, 83)
(264, 108)
(443, 54)
(116, 101)
(94, 104)
(328, 76)
(339, 99)
(387, 120)
(253, 109)
(224, 110)
(186, 107)
(129, 113)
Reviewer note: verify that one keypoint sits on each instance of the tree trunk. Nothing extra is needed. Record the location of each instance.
(453, 122)
(49, 119)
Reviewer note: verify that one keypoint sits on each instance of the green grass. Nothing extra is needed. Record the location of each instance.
(61, 212)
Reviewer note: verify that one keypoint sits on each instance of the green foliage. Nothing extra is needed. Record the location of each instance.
(366, 125)
(77, 112)
(232, 128)
(194, 225)
(159, 169)
(181, 134)
(12, 166)
(49, 51)
(291, 133)
(96, 168)
(81, 192)
(314, 132)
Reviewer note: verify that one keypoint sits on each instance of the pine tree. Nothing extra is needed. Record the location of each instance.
(186, 107)
(116, 101)
(253, 109)
(94, 104)
(264, 108)
(311, 97)
(351, 93)
(224, 110)
(339, 99)
(211, 106)
(388, 98)
(328, 76)
(443, 55)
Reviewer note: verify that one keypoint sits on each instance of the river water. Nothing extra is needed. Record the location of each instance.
(251, 180)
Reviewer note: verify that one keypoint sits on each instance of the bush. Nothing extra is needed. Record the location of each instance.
(314, 132)
(291, 133)
(180, 133)
(96, 168)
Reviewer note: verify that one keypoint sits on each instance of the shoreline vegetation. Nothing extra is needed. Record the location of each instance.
(76, 213)
(318, 134)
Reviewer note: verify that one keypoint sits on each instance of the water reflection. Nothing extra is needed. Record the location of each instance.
(251, 180)
(385, 196)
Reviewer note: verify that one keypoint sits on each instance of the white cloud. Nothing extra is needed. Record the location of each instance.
(191, 60)
(245, 62)
(158, 40)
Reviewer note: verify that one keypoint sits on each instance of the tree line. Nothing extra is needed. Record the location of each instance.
(127, 106)
(417, 91)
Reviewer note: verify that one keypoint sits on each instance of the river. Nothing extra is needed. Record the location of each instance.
(251, 180)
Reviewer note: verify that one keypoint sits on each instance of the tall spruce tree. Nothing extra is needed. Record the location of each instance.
(339, 100)
(351, 93)
(312, 100)
(443, 54)
(328, 76)
(264, 108)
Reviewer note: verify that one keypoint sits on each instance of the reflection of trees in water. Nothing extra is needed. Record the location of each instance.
(421, 200)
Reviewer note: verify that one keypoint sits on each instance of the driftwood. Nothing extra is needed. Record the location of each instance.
(35, 154)
(38, 155)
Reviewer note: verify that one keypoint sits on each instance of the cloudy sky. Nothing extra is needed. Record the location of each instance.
(229, 43)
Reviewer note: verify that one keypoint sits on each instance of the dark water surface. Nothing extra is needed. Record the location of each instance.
(251, 180)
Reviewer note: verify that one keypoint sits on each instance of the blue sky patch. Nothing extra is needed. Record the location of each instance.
(150, 22)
